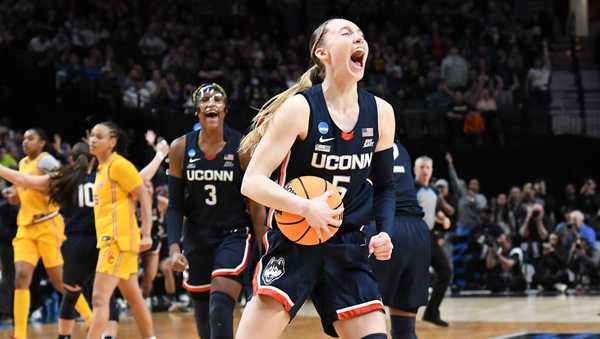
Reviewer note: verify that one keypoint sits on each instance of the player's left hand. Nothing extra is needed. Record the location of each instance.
(381, 246)
(145, 243)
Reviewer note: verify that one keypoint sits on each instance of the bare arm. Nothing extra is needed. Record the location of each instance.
(524, 230)
(445, 207)
(542, 231)
(162, 150)
(145, 200)
(490, 258)
(257, 211)
(289, 123)
(506, 263)
(35, 182)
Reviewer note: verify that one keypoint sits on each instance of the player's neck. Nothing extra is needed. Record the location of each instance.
(32, 156)
(340, 95)
(211, 136)
(103, 158)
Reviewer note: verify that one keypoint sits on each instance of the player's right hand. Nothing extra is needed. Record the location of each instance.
(318, 214)
(145, 243)
(178, 262)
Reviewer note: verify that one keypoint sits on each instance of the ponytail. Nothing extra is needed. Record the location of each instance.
(315, 74)
(262, 120)
(65, 182)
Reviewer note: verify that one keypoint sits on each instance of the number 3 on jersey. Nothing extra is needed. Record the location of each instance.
(212, 194)
(337, 180)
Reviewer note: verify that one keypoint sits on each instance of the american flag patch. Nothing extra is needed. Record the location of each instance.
(228, 157)
(367, 132)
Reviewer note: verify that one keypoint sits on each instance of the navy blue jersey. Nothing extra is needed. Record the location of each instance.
(342, 158)
(213, 200)
(79, 219)
(404, 184)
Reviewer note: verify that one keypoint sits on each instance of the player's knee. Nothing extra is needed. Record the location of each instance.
(67, 309)
(100, 300)
(22, 279)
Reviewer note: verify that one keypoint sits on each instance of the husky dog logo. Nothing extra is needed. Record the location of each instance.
(275, 269)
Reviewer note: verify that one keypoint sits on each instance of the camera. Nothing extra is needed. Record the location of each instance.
(536, 213)
(569, 226)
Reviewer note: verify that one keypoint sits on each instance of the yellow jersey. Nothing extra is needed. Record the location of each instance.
(35, 206)
(114, 208)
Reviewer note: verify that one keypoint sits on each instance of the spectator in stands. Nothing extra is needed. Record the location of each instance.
(502, 215)
(455, 70)
(588, 201)
(136, 96)
(151, 44)
(470, 201)
(552, 274)
(537, 91)
(569, 200)
(486, 104)
(575, 229)
(583, 261)
(533, 232)
(504, 262)
(455, 117)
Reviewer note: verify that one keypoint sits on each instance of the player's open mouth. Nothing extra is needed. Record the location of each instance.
(211, 114)
(357, 58)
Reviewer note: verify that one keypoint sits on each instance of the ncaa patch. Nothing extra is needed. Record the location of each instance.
(274, 270)
(191, 153)
(323, 127)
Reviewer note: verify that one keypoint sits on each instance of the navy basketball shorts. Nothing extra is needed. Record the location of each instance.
(81, 257)
(404, 279)
(335, 275)
(227, 258)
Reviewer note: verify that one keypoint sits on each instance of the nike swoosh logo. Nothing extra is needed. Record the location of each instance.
(321, 139)
(194, 160)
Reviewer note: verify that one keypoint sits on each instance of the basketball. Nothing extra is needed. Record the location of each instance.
(294, 226)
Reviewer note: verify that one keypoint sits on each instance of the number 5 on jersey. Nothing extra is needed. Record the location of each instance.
(337, 180)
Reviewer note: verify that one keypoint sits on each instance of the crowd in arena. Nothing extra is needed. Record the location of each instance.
(469, 71)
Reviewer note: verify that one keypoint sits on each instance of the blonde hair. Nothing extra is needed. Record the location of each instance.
(315, 74)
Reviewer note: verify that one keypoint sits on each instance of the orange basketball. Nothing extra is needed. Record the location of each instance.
(294, 226)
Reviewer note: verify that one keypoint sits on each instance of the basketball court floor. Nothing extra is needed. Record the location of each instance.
(489, 317)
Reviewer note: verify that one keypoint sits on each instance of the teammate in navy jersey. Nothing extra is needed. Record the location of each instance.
(151, 257)
(404, 279)
(72, 187)
(343, 134)
(205, 176)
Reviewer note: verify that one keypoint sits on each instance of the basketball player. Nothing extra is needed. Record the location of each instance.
(205, 176)
(40, 232)
(72, 187)
(150, 258)
(403, 280)
(341, 133)
(117, 185)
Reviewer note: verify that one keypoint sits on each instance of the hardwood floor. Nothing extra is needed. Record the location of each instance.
(469, 318)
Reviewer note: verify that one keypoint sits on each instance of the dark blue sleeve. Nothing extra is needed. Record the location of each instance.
(174, 217)
(384, 202)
